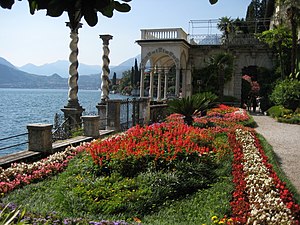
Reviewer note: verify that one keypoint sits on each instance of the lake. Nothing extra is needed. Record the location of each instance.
(19, 107)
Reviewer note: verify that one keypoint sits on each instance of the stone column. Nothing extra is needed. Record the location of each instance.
(40, 137)
(177, 82)
(184, 84)
(91, 126)
(73, 110)
(166, 83)
(189, 86)
(151, 84)
(159, 85)
(105, 68)
(142, 83)
(73, 72)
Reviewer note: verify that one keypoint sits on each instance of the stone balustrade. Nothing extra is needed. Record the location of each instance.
(166, 33)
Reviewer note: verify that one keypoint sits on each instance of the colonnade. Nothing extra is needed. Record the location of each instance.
(162, 74)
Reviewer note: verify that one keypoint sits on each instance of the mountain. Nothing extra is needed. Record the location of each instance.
(6, 63)
(13, 77)
(61, 67)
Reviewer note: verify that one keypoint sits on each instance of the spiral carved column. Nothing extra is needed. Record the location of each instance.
(73, 110)
(105, 68)
(73, 72)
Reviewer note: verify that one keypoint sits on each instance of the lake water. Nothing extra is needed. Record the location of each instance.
(20, 107)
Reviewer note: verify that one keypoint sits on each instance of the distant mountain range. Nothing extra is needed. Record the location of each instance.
(61, 67)
(55, 75)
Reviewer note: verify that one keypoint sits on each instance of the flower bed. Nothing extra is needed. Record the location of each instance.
(20, 174)
(164, 142)
(259, 197)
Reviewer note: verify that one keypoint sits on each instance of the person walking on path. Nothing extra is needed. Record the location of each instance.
(285, 140)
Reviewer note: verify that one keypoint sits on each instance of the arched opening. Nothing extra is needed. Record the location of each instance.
(256, 87)
(158, 79)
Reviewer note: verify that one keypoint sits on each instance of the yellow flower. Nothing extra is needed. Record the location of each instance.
(214, 218)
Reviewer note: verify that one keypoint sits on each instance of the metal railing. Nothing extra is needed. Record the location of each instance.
(132, 113)
(205, 39)
(63, 129)
(13, 145)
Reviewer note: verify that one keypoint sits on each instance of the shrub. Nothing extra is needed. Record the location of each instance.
(278, 111)
(194, 105)
(287, 94)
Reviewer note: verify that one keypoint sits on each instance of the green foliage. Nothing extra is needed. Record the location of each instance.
(287, 94)
(194, 105)
(279, 38)
(77, 9)
(278, 111)
(284, 115)
(82, 192)
(11, 216)
(125, 84)
(213, 77)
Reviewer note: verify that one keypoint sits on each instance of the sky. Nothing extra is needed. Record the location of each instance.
(41, 39)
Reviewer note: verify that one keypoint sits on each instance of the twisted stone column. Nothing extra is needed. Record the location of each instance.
(73, 72)
(73, 110)
(105, 68)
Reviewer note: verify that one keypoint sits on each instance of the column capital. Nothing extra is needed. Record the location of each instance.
(106, 38)
(74, 28)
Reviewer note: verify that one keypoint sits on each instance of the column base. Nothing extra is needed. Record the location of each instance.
(74, 116)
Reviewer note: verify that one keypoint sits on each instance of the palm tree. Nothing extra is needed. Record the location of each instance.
(223, 64)
(191, 106)
(225, 25)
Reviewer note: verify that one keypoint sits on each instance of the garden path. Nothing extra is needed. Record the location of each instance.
(285, 140)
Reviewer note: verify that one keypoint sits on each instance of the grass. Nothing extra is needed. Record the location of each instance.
(152, 197)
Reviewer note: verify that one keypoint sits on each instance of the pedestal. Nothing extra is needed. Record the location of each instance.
(74, 116)
(40, 137)
(113, 115)
(91, 126)
(102, 108)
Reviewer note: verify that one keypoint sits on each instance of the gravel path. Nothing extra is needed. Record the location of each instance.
(285, 140)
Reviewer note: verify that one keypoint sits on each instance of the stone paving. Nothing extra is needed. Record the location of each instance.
(285, 140)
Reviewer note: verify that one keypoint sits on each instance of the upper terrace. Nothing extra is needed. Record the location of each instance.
(202, 32)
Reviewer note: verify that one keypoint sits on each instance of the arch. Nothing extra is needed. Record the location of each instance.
(161, 54)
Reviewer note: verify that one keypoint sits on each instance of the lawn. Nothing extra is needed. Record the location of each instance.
(214, 172)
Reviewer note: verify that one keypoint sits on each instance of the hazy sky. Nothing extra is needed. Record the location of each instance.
(41, 39)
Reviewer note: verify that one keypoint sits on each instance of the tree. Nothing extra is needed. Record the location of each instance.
(223, 64)
(279, 38)
(292, 13)
(137, 73)
(107, 6)
(225, 25)
(114, 79)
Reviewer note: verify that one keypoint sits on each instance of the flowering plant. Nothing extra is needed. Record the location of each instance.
(20, 174)
(259, 196)
(165, 143)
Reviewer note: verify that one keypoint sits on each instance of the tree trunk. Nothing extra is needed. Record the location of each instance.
(221, 83)
(294, 40)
